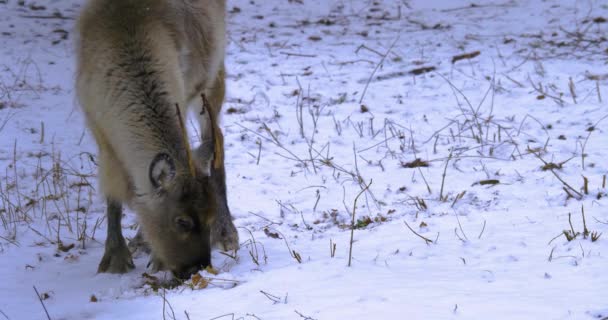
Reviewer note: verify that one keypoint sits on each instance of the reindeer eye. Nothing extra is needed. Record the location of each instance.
(184, 223)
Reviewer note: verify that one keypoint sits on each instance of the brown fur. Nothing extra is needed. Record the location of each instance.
(137, 61)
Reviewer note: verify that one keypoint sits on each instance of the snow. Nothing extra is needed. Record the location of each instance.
(497, 250)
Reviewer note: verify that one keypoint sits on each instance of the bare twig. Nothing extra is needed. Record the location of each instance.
(55, 16)
(585, 230)
(426, 183)
(482, 229)
(231, 315)
(42, 303)
(572, 90)
(352, 225)
(371, 76)
(445, 169)
(475, 6)
(271, 297)
(460, 226)
(166, 303)
(577, 194)
(303, 316)
(426, 240)
(464, 56)
(290, 54)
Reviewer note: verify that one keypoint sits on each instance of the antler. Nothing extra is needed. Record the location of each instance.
(216, 137)
(186, 142)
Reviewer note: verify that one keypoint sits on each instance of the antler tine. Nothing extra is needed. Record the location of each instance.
(218, 152)
(186, 142)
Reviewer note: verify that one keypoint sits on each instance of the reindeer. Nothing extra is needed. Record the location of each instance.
(141, 63)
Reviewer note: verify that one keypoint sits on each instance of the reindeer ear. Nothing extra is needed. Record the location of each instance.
(162, 171)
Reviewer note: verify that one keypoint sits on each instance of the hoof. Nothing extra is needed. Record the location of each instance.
(117, 260)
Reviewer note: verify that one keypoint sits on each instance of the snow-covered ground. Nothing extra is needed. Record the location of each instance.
(327, 98)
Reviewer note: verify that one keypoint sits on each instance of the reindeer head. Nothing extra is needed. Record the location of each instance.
(176, 220)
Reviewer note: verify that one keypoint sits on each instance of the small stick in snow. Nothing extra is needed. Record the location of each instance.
(259, 143)
(445, 169)
(332, 248)
(568, 188)
(585, 185)
(271, 297)
(421, 70)
(166, 303)
(571, 227)
(303, 316)
(557, 236)
(376, 69)
(457, 235)
(461, 230)
(482, 229)
(572, 90)
(551, 254)
(424, 179)
(224, 315)
(475, 6)
(42, 303)
(352, 225)
(41, 132)
(426, 240)
(585, 230)
(289, 54)
(467, 56)
(57, 15)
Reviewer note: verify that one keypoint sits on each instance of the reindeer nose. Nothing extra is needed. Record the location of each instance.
(185, 273)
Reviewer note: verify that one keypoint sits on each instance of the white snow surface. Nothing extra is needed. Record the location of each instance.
(536, 95)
